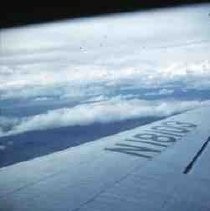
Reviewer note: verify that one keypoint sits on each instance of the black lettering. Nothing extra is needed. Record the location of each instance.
(155, 137)
(183, 124)
(177, 129)
(161, 136)
(134, 150)
(167, 130)
(147, 142)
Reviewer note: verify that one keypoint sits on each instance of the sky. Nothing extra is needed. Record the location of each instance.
(104, 70)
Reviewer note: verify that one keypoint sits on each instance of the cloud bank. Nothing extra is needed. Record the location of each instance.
(107, 111)
(70, 81)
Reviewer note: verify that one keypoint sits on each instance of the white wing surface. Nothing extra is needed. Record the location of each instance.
(159, 166)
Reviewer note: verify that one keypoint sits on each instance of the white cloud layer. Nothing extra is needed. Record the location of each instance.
(74, 80)
(143, 49)
(115, 109)
(92, 60)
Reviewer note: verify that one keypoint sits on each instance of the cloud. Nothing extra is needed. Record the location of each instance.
(74, 80)
(2, 147)
(7, 124)
(104, 75)
(82, 52)
(115, 109)
(160, 92)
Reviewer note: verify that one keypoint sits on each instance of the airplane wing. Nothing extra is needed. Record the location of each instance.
(160, 166)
